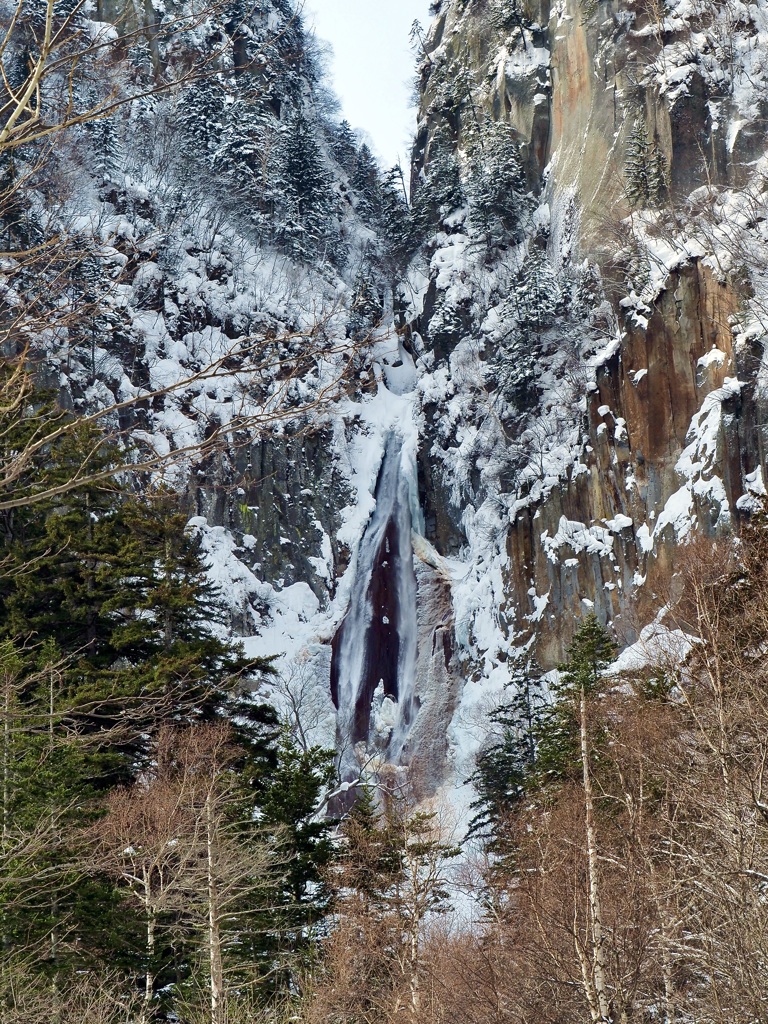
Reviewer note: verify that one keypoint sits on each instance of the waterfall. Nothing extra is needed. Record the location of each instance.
(374, 650)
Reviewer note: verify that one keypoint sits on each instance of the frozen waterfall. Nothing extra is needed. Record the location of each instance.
(374, 651)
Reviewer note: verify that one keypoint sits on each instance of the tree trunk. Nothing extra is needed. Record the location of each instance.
(6, 759)
(214, 925)
(6, 941)
(149, 981)
(599, 940)
(414, 969)
(52, 822)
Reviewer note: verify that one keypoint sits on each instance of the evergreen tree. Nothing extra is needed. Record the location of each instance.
(370, 861)
(440, 191)
(515, 369)
(107, 608)
(533, 306)
(366, 311)
(203, 117)
(558, 751)
(535, 294)
(645, 169)
(500, 202)
(504, 769)
(307, 198)
(344, 146)
(394, 222)
(390, 878)
(288, 799)
(366, 185)
(162, 620)
(14, 206)
(122, 589)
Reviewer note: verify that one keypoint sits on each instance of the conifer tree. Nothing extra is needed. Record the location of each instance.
(535, 294)
(440, 192)
(500, 202)
(307, 200)
(645, 170)
(394, 221)
(390, 878)
(558, 738)
(516, 370)
(161, 620)
(366, 310)
(288, 796)
(122, 588)
(202, 115)
(504, 769)
(366, 185)
(532, 308)
(107, 615)
(344, 146)
(370, 861)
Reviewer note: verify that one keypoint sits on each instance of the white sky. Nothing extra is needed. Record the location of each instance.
(373, 66)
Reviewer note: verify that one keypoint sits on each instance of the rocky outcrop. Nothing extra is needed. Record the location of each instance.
(601, 536)
(438, 674)
(282, 494)
(577, 391)
(671, 432)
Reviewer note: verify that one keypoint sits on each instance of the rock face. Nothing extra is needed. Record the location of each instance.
(599, 536)
(670, 437)
(438, 677)
(283, 494)
(587, 388)
(576, 384)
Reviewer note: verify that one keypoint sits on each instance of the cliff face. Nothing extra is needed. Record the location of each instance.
(567, 383)
(574, 390)
(642, 138)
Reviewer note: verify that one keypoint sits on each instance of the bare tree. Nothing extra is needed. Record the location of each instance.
(391, 884)
(178, 843)
(147, 840)
(91, 999)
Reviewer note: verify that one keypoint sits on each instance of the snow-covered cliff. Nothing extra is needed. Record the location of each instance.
(416, 442)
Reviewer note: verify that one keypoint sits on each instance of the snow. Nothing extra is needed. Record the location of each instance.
(618, 523)
(713, 358)
(657, 647)
(491, 467)
(579, 537)
(677, 512)
(540, 602)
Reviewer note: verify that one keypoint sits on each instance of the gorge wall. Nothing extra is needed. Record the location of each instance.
(669, 437)
(420, 444)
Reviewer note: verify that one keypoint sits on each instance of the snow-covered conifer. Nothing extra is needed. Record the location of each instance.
(440, 191)
(344, 146)
(365, 183)
(366, 307)
(645, 167)
(497, 189)
(307, 198)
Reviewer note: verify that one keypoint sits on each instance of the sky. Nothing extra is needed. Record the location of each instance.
(373, 66)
